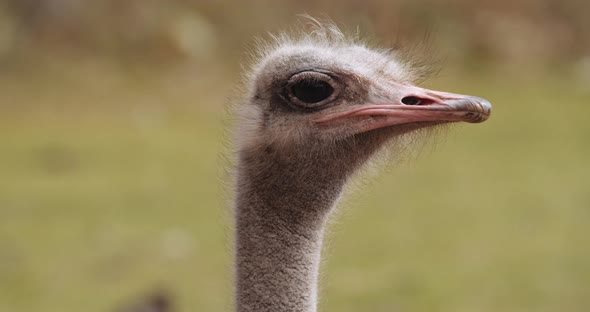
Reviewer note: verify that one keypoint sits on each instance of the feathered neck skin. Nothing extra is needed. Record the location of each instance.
(284, 198)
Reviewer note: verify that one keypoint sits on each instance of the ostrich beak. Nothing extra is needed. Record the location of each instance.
(410, 104)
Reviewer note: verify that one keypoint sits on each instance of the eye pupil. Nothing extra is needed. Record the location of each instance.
(311, 91)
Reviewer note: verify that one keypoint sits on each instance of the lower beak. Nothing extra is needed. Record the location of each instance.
(413, 105)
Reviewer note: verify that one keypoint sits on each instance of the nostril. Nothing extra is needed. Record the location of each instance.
(411, 100)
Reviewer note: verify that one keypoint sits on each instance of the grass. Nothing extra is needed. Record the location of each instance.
(111, 187)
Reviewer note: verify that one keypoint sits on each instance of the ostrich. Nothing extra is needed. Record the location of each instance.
(318, 106)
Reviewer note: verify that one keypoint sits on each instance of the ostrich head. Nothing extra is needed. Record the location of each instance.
(316, 109)
(319, 106)
(323, 92)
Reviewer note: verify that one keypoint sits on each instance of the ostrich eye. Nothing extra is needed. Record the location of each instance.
(311, 91)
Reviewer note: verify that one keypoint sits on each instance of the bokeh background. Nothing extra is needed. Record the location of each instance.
(112, 128)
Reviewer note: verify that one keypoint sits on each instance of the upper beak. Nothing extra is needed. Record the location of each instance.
(411, 104)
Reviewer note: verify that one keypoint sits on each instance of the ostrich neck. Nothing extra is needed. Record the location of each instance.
(281, 210)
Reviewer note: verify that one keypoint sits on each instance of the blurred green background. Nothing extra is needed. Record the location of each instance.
(111, 171)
